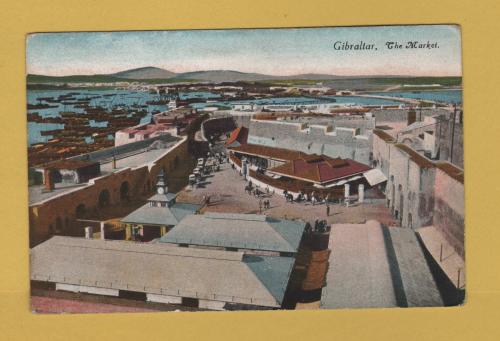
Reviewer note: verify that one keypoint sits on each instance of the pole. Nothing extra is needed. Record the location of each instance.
(441, 253)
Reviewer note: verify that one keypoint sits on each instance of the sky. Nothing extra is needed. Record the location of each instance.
(267, 51)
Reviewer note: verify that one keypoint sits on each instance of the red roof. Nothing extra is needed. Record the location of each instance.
(320, 168)
(240, 134)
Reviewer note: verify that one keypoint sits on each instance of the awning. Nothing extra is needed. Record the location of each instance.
(375, 176)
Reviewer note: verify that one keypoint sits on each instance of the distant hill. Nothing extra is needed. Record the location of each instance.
(218, 76)
(155, 75)
(148, 72)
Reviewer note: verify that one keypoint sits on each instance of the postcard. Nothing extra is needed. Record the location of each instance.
(246, 169)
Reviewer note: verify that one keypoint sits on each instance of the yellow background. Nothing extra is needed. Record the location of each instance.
(479, 319)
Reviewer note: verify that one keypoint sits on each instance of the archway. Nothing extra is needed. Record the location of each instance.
(80, 211)
(124, 191)
(104, 199)
(59, 225)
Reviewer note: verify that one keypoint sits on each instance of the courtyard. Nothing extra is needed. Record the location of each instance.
(225, 190)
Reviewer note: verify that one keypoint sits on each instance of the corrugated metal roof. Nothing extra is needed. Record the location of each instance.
(243, 231)
(162, 269)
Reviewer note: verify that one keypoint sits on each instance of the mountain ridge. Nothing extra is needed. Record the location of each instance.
(150, 73)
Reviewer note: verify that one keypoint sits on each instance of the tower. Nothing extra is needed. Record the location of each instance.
(161, 184)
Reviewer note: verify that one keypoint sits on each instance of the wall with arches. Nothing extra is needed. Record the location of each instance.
(62, 211)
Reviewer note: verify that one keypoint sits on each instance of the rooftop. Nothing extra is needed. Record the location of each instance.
(452, 170)
(375, 266)
(163, 269)
(415, 156)
(242, 231)
(383, 135)
(320, 168)
(163, 216)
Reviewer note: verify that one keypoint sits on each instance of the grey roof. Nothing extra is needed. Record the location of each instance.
(167, 197)
(162, 269)
(153, 215)
(242, 231)
(375, 266)
(273, 272)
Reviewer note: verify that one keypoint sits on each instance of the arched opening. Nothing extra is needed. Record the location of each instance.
(80, 211)
(124, 191)
(59, 225)
(104, 199)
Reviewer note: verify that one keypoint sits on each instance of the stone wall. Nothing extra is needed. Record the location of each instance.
(312, 139)
(449, 210)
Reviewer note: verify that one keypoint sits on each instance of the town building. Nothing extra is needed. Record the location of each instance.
(427, 196)
(173, 122)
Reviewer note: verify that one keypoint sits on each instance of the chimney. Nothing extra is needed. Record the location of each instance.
(49, 182)
(113, 163)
